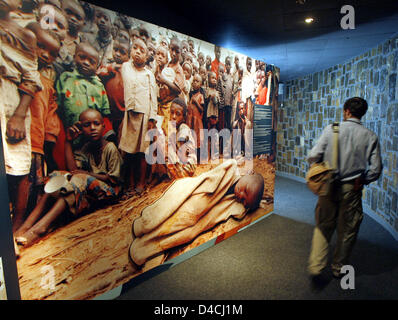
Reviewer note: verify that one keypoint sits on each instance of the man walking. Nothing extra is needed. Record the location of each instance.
(359, 163)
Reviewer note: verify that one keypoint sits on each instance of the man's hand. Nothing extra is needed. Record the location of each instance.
(358, 184)
(16, 129)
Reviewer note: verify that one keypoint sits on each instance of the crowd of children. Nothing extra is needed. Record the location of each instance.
(60, 58)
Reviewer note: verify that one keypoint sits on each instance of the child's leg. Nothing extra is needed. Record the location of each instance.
(142, 172)
(21, 201)
(48, 156)
(221, 119)
(227, 120)
(130, 164)
(198, 154)
(209, 126)
(151, 173)
(213, 147)
(34, 216)
(41, 227)
(131, 176)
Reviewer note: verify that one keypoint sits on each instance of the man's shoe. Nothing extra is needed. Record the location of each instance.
(319, 281)
(336, 271)
(337, 274)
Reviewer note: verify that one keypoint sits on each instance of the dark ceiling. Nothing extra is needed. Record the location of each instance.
(274, 31)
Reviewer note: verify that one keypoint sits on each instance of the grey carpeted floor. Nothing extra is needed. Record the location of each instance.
(268, 260)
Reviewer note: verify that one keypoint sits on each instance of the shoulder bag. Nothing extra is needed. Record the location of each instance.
(320, 176)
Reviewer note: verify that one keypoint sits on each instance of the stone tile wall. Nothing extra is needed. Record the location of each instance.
(314, 101)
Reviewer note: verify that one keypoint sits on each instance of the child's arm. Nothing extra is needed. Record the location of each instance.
(172, 86)
(29, 85)
(52, 130)
(220, 91)
(106, 73)
(52, 121)
(71, 134)
(59, 89)
(248, 124)
(109, 133)
(235, 124)
(105, 108)
(199, 103)
(153, 105)
(216, 98)
(16, 124)
(103, 177)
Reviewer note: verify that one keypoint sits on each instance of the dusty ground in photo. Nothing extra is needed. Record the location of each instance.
(89, 256)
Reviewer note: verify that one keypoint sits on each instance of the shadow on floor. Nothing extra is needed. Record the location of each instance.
(268, 262)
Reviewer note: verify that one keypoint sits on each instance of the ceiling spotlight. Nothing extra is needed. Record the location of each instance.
(300, 1)
(309, 20)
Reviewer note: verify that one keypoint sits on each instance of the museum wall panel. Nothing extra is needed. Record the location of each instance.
(126, 145)
(314, 101)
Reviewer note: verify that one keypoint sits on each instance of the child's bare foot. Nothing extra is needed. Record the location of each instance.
(20, 231)
(154, 181)
(17, 254)
(128, 194)
(30, 237)
(139, 189)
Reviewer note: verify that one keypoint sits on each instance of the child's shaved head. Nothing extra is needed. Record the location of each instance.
(139, 52)
(197, 81)
(249, 190)
(75, 15)
(58, 22)
(92, 113)
(88, 48)
(92, 124)
(175, 50)
(86, 59)
(212, 78)
(36, 28)
(121, 51)
(103, 20)
(48, 44)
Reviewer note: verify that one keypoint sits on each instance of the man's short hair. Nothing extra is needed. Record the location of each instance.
(357, 106)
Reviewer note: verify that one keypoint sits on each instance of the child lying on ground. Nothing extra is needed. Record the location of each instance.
(191, 206)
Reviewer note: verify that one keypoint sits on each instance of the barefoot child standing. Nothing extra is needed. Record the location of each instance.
(140, 98)
(195, 110)
(19, 82)
(111, 77)
(44, 127)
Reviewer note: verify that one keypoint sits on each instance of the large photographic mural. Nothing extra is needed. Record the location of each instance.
(126, 144)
